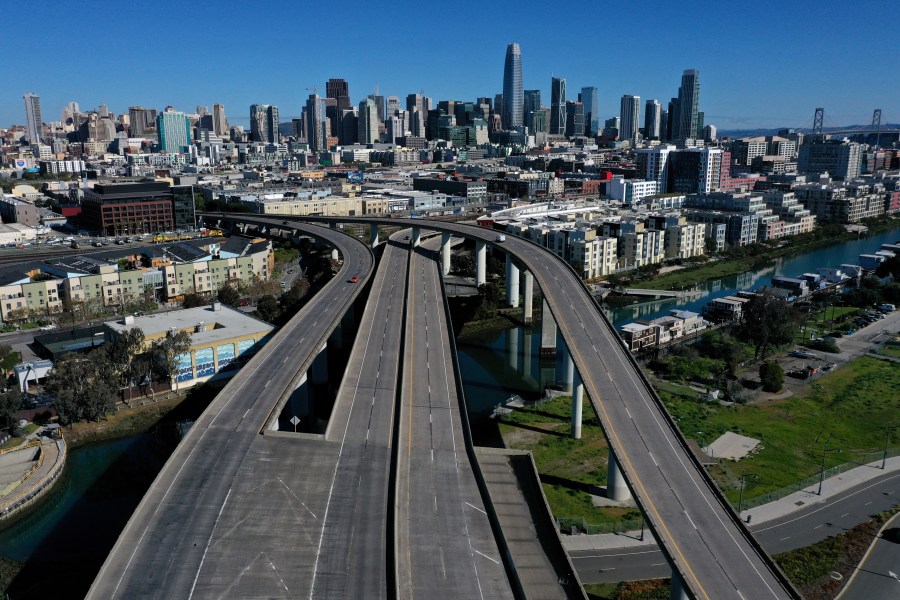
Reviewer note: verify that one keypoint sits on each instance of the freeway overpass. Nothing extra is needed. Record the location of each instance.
(713, 554)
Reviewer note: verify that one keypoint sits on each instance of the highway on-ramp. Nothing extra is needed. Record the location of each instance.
(445, 545)
(234, 513)
(702, 537)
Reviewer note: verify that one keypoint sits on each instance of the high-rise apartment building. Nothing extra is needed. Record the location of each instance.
(368, 121)
(316, 133)
(264, 123)
(652, 119)
(138, 119)
(220, 122)
(574, 119)
(653, 165)
(686, 122)
(557, 106)
(531, 104)
(630, 115)
(512, 88)
(339, 89)
(591, 101)
(34, 122)
(174, 130)
(838, 158)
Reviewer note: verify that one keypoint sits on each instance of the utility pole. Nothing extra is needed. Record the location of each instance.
(887, 436)
(824, 454)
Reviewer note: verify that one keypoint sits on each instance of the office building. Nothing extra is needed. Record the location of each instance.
(220, 123)
(129, 208)
(264, 123)
(140, 120)
(838, 158)
(340, 91)
(316, 130)
(512, 88)
(653, 165)
(379, 105)
(174, 130)
(686, 122)
(589, 98)
(630, 116)
(557, 106)
(368, 122)
(34, 123)
(652, 120)
(574, 119)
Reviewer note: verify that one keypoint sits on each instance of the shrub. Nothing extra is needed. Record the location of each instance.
(772, 376)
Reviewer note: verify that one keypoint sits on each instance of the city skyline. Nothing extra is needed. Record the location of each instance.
(766, 87)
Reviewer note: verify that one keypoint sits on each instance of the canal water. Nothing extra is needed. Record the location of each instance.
(66, 539)
(831, 256)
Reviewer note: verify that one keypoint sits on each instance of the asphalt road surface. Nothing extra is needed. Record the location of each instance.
(353, 561)
(879, 574)
(445, 546)
(804, 527)
(234, 513)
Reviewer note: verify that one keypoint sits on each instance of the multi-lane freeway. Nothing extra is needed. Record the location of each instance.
(234, 513)
(703, 539)
(445, 546)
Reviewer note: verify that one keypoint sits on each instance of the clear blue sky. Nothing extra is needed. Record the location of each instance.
(762, 64)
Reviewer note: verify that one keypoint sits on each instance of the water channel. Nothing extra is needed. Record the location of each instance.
(67, 538)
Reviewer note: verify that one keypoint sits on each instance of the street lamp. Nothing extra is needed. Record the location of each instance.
(755, 479)
(824, 454)
(887, 436)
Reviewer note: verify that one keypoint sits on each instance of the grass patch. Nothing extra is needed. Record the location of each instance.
(569, 469)
(13, 442)
(650, 589)
(850, 405)
(891, 350)
(805, 565)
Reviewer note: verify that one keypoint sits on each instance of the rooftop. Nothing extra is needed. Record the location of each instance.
(218, 324)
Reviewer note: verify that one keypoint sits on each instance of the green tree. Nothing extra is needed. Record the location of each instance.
(462, 265)
(267, 308)
(167, 351)
(767, 321)
(121, 353)
(228, 295)
(193, 301)
(772, 376)
(294, 299)
(10, 402)
(81, 387)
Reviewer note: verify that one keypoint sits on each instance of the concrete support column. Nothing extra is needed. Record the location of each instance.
(548, 332)
(568, 372)
(513, 348)
(577, 404)
(416, 237)
(526, 356)
(529, 297)
(679, 590)
(373, 235)
(616, 487)
(480, 263)
(318, 372)
(445, 252)
(512, 282)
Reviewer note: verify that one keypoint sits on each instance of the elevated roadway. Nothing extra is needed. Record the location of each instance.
(703, 539)
(234, 513)
(445, 545)
(353, 561)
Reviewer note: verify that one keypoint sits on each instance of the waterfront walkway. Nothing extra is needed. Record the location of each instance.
(26, 477)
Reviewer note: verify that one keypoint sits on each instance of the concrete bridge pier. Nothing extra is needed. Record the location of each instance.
(616, 486)
(577, 406)
(567, 372)
(373, 235)
(480, 263)
(318, 372)
(679, 590)
(416, 238)
(513, 349)
(548, 332)
(445, 252)
(512, 282)
(529, 297)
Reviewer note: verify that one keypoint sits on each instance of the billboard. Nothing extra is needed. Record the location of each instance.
(355, 177)
(21, 163)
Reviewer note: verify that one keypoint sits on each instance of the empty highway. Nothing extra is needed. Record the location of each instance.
(702, 537)
(445, 546)
(352, 560)
(234, 513)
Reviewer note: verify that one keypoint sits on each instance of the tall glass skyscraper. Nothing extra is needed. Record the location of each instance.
(512, 88)
(631, 115)
(34, 122)
(174, 130)
(588, 97)
(557, 106)
(686, 123)
(652, 116)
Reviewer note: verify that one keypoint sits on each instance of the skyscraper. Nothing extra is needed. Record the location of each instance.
(686, 124)
(340, 91)
(34, 123)
(368, 121)
(264, 123)
(652, 114)
(315, 123)
(174, 130)
(574, 119)
(630, 114)
(220, 123)
(589, 98)
(391, 106)
(137, 119)
(557, 106)
(512, 88)
(415, 107)
(531, 104)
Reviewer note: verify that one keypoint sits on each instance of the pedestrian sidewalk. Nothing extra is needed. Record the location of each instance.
(800, 500)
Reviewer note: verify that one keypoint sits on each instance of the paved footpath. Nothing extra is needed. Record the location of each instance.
(801, 500)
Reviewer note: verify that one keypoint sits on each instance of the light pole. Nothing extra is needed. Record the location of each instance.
(887, 436)
(824, 454)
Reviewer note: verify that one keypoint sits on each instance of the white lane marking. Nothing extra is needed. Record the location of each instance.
(867, 503)
(843, 515)
(496, 562)
(817, 526)
(267, 384)
(787, 537)
(690, 520)
(657, 564)
(208, 542)
(476, 508)
(291, 492)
